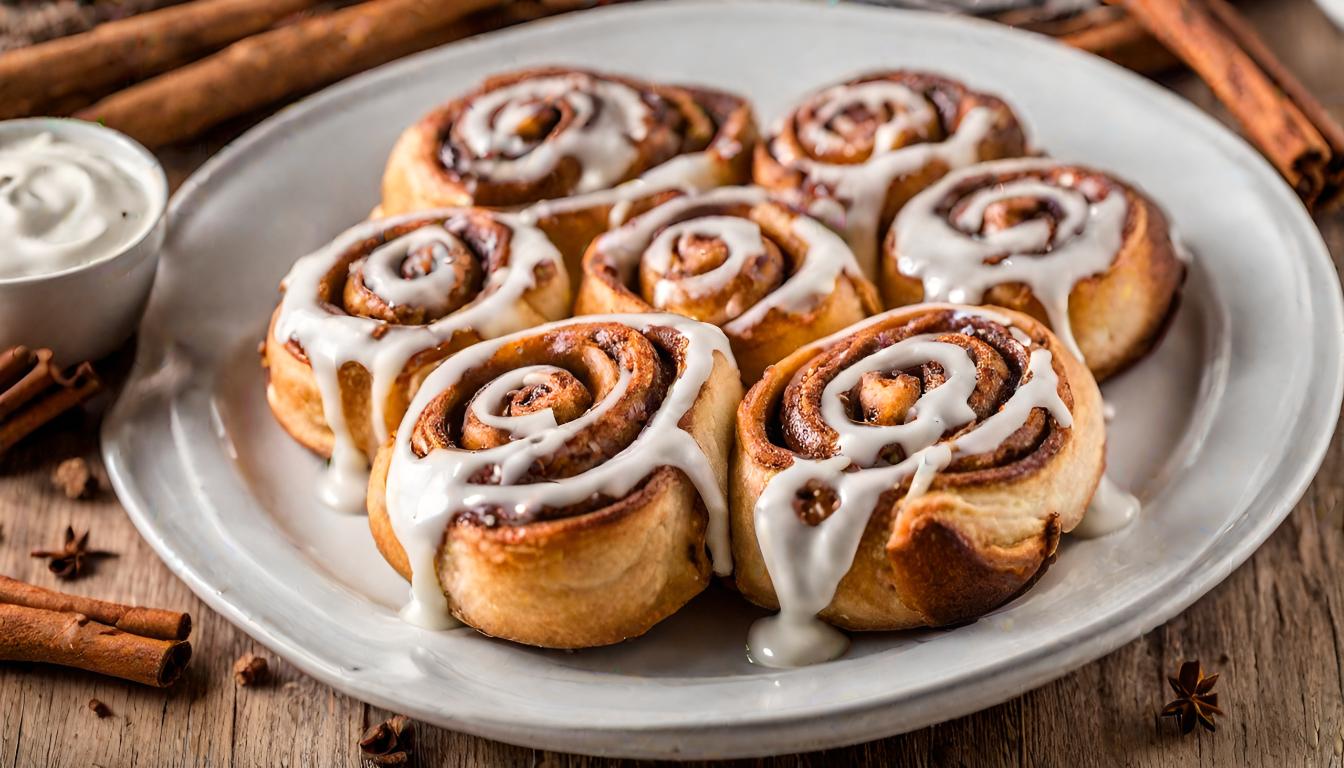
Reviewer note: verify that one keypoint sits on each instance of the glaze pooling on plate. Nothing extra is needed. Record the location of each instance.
(424, 493)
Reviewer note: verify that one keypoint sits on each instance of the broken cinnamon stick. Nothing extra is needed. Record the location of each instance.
(265, 68)
(149, 622)
(75, 640)
(1275, 111)
(34, 390)
(51, 77)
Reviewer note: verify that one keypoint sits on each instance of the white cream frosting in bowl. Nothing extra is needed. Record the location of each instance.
(81, 226)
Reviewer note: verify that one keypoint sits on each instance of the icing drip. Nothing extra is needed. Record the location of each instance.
(602, 113)
(688, 173)
(806, 563)
(957, 265)
(424, 493)
(862, 187)
(330, 340)
(1111, 510)
(650, 236)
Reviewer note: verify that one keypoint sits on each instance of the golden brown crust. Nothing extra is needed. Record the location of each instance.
(775, 168)
(1116, 316)
(292, 389)
(685, 120)
(979, 536)
(612, 284)
(595, 573)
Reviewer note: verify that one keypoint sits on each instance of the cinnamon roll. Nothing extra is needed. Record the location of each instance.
(1074, 247)
(854, 153)
(564, 486)
(363, 319)
(771, 278)
(915, 471)
(595, 147)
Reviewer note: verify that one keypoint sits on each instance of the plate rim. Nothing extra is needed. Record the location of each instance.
(864, 720)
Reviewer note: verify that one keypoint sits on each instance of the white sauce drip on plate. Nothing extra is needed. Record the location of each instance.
(330, 339)
(952, 264)
(1111, 510)
(424, 493)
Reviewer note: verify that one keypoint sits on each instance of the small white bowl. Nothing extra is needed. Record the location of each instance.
(85, 312)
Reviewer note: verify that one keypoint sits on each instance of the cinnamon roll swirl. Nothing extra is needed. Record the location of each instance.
(595, 147)
(854, 153)
(771, 278)
(364, 319)
(1074, 247)
(916, 471)
(563, 486)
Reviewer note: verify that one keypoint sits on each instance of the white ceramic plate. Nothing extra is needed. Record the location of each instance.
(1220, 431)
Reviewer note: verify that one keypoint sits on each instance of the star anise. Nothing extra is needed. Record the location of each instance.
(71, 559)
(389, 742)
(1195, 701)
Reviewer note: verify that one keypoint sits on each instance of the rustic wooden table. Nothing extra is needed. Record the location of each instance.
(1273, 629)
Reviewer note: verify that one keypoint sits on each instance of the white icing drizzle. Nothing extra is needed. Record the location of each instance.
(827, 256)
(862, 187)
(382, 273)
(608, 117)
(330, 339)
(741, 237)
(424, 493)
(1111, 509)
(688, 173)
(806, 563)
(955, 266)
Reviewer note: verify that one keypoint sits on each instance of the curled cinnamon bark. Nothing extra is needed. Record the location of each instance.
(149, 622)
(143, 645)
(1299, 136)
(854, 153)
(265, 68)
(916, 471)
(34, 390)
(74, 70)
(563, 486)
(596, 147)
(771, 278)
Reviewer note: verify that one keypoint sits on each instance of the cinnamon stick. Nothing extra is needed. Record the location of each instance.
(148, 622)
(271, 66)
(50, 77)
(75, 640)
(1276, 112)
(33, 391)
(1123, 41)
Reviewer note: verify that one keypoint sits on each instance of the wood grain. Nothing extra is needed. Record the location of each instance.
(1274, 629)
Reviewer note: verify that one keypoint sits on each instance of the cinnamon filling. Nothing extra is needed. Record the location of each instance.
(890, 398)
(595, 366)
